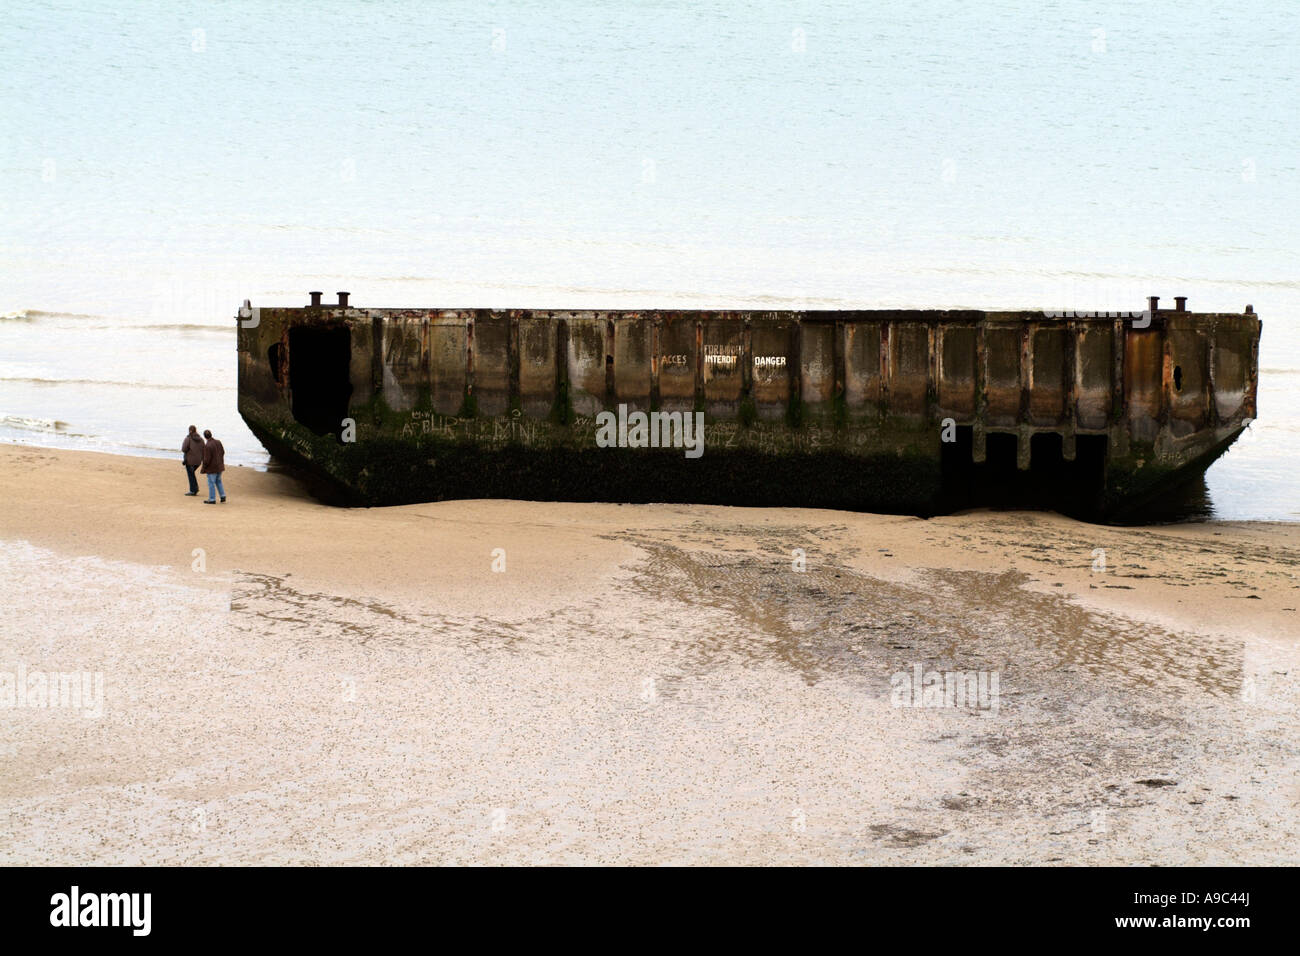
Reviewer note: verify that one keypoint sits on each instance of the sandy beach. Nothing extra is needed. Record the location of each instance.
(507, 682)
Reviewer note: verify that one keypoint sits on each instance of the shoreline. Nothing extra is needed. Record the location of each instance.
(126, 451)
(926, 543)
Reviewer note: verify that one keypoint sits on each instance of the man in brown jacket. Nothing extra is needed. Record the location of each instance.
(214, 463)
(192, 457)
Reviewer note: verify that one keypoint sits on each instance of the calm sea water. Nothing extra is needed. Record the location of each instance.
(159, 165)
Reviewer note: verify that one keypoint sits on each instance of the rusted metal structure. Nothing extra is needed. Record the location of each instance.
(897, 410)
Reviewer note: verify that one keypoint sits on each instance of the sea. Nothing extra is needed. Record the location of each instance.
(160, 163)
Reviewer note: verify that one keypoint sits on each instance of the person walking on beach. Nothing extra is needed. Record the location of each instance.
(214, 463)
(192, 457)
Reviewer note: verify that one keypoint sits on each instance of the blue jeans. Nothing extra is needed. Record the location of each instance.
(215, 486)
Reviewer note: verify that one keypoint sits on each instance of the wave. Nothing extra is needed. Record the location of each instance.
(171, 326)
(114, 322)
(33, 424)
(113, 384)
(177, 326)
(31, 315)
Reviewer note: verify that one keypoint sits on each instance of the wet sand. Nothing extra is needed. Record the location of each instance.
(640, 684)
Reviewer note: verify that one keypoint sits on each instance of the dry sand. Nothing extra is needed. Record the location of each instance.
(640, 684)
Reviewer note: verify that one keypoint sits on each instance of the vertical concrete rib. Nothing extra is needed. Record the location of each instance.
(1250, 401)
(1068, 444)
(747, 360)
(886, 366)
(469, 351)
(699, 362)
(794, 368)
(1118, 392)
(840, 375)
(1023, 434)
(377, 353)
(1166, 377)
(978, 432)
(1212, 416)
(610, 384)
(426, 344)
(513, 361)
(656, 330)
(561, 365)
(934, 342)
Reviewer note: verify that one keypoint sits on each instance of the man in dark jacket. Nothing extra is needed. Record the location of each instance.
(214, 463)
(192, 457)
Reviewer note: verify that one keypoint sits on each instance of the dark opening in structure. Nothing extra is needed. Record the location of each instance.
(1178, 378)
(1050, 482)
(319, 379)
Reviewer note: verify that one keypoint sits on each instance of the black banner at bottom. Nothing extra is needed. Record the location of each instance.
(133, 906)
